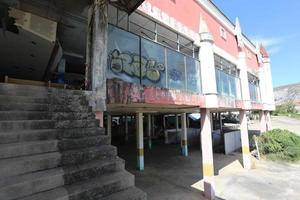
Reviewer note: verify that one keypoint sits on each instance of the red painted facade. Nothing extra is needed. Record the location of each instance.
(188, 12)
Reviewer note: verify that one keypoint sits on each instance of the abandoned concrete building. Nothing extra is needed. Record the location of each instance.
(77, 76)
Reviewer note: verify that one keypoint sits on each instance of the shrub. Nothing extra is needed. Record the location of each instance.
(280, 145)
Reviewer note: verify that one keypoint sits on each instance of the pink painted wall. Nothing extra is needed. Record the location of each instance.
(188, 12)
(251, 59)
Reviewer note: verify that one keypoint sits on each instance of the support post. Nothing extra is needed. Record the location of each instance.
(268, 119)
(184, 147)
(149, 132)
(207, 154)
(126, 129)
(177, 126)
(245, 140)
(97, 53)
(262, 121)
(109, 125)
(140, 141)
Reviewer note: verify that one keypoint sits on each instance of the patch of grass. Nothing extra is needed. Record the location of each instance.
(280, 144)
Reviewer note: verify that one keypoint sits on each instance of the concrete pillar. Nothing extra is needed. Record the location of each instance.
(140, 141)
(109, 125)
(262, 121)
(207, 154)
(242, 65)
(245, 140)
(184, 146)
(268, 120)
(96, 61)
(177, 125)
(208, 71)
(126, 129)
(99, 116)
(149, 132)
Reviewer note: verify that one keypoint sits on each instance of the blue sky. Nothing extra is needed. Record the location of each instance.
(275, 23)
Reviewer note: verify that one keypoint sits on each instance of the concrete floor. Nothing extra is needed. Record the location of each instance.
(167, 174)
(170, 176)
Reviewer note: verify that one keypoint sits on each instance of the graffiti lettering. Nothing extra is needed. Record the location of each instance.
(130, 65)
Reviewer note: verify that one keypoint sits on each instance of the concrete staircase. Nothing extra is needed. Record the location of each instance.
(51, 148)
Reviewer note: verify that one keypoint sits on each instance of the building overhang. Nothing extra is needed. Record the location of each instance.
(127, 5)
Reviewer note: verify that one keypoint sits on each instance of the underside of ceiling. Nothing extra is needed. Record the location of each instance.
(26, 55)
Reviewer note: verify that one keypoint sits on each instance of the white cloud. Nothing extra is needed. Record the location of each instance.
(273, 44)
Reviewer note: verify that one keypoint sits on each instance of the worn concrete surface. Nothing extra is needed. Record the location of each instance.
(170, 176)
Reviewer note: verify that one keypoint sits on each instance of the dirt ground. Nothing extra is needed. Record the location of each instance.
(170, 176)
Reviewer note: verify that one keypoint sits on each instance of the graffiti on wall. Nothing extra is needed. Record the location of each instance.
(130, 64)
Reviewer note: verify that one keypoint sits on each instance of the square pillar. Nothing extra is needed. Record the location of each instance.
(268, 119)
(184, 147)
(126, 129)
(245, 140)
(140, 141)
(262, 121)
(109, 125)
(149, 132)
(99, 116)
(207, 154)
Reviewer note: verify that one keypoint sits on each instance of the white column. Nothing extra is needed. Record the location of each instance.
(268, 119)
(207, 154)
(245, 139)
(184, 145)
(262, 121)
(109, 125)
(242, 65)
(140, 141)
(149, 132)
(126, 129)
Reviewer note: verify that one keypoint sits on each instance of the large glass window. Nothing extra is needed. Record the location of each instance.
(153, 64)
(193, 75)
(176, 70)
(123, 55)
(135, 59)
(226, 77)
(254, 88)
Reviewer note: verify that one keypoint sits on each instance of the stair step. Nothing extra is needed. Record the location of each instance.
(71, 108)
(92, 169)
(132, 193)
(60, 193)
(25, 125)
(23, 99)
(73, 116)
(28, 184)
(81, 132)
(29, 135)
(102, 186)
(76, 143)
(89, 190)
(11, 106)
(81, 156)
(23, 90)
(24, 115)
(64, 124)
(44, 115)
(27, 164)
(27, 148)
